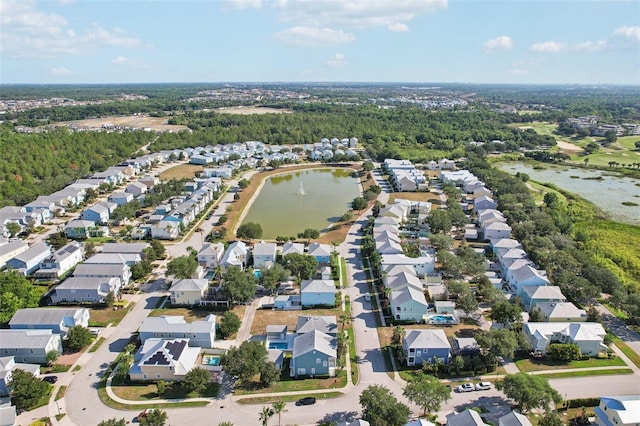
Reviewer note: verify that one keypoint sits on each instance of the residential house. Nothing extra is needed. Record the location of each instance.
(7, 366)
(200, 333)
(188, 291)
(408, 304)
(521, 274)
(395, 210)
(504, 243)
(120, 198)
(30, 346)
(210, 255)
(444, 307)
(136, 188)
(425, 345)
(419, 422)
(29, 260)
(58, 320)
(166, 229)
(422, 265)
(314, 354)
(622, 410)
(496, 230)
(160, 359)
(85, 290)
(99, 212)
(532, 295)
(291, 247)
(138, 248)
(465, 346)
(60, 262)
(484, 202)
(514, 419)
(129, 259)
(326, 324)
(10, 250)
(589, 336)
(149, 181)
(83, 229)
(321, 252)
(237, 255)
(560, 311)
(120, 271)
(466, 418)
(318, 292)
(264, 254)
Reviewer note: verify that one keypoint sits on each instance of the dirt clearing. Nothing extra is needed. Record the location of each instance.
(242, 110)
(158, 124)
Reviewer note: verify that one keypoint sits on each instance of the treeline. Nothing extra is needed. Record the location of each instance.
(554, 238)
(387, 133)
(41, 163)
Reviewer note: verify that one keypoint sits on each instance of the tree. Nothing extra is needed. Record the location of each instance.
(500, 342)
(196, 380)
(550, 418)
(243, 183)
(113, 422)
(279, 407)
(238, 285)
(182, 267)
(14, 228)
(89, 249)
(161, 387)
(564, 352)
(245, 361)
(156, 250)
(78, 338)
(427, 393)
(367, 166)
(381, 408)
(269, 373)
(505, 312)
(467, 303)
(57, 240)
(249, 231)
(266, 414)
(110, 299)
(273, 276)
(52, 357)
(441, 241)
(301, 265)
(610, 136)
(26, 389)
(529, 391)
(16, 292)
(347, 217)
(359, 203)
(439, 220)
(309, 234)
(155, 417)
(229, 323)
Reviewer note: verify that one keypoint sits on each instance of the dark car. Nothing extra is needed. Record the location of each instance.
(50, 379)
(306, 401)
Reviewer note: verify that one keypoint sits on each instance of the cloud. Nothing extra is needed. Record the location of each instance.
(337, 61)
(498, 43)
(128, 62)
(245, 4)
(357, 14)
(119, 60)
(547, 47)
(313, 36)
(591, 46)
(398, 28)
(631, 33)
(27, 32)
(60, 71)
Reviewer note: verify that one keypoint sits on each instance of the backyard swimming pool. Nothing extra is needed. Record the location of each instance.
(211, 360)
(278, 345)
(441, 319)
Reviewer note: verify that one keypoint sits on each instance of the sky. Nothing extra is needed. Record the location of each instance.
(446, 41)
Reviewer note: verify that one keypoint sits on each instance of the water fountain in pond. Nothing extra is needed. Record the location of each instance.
(301, 190)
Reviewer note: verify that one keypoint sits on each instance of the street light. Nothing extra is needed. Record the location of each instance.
(58, 406)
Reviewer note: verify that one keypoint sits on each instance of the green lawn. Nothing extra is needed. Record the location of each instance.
(55, 368)
(289, 384)
(101, 317)
(626, 349)
(343, 269)
(286, 398)
(148, 392)
(528, 365)
(585, 373)
(97, 344)
(61, 391)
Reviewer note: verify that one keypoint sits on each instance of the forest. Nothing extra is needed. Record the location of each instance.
(42, 163)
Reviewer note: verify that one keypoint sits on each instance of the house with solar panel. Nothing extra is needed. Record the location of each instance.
(160, 359)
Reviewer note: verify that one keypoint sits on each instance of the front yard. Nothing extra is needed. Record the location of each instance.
(527, 365)
(149, 391)
(103, 316)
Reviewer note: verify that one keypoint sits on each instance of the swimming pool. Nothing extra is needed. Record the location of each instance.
(278, 345)
(211, 360)
(441, 319)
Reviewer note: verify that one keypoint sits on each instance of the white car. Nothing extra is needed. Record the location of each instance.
(483, 386)
(367, 297)
(467, 387)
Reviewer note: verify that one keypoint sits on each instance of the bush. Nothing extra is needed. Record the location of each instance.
(583, 402)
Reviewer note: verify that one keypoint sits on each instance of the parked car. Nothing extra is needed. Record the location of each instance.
(466, 387)
(310, 400)
(483, 386)
(367, 297)
(143, 414)
(50, 379)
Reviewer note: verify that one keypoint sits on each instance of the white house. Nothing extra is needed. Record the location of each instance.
(291, 247)
(422, 265)
(237, 254)
(122, 272)
(58, 320)
(11, 250)
(85, 290)
(8, 365)
(60, 262)
(589, 336)
(199, 333)
(29, 260)
(160, 359)
(264, 254)
(496, 230)
(29, 346)
(622, 410)
(136, 188)
(210, 255)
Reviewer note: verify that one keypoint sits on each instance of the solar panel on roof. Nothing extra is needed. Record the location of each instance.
(175, 348)
(157, 359)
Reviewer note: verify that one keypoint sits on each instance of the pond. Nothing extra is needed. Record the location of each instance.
(289, 203)
(605, 190)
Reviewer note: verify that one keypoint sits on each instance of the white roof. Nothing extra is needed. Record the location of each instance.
(578, 331)
(314, 340)
(561, 310)
(264, 249)
(514, 419)
(544, 292)
(177, 324)
(46, 316)
(189, 284)
(318, 286)
(426, 338)
(124, 247)
(627, 407)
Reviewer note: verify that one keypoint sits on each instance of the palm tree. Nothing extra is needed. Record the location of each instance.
(265, 415)
(344, 320)
(225, 424)
(279, 407)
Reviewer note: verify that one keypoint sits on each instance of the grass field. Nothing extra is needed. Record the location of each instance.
(101, 317)
(181, 171)
(626, 349)
(539, 190)
(288, 384)
(149, 392)
(415, 196)
(459, 330)
(191, 315)
(265, 317)
(527, 365)
(587, 373)
(285, 398)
